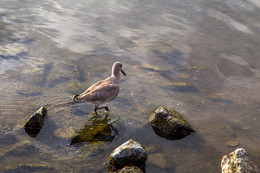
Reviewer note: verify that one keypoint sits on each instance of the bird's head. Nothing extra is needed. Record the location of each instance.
(117, 67)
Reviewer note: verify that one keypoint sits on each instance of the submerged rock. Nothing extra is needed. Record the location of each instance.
(97, 128)
(169, 124)
(130, 169)
(35, 122)
(238, 162)
(130, 153)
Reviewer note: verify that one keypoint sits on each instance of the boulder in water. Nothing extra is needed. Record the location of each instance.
(35, 122)
(169, 124)
(130, 153)
(238, 162)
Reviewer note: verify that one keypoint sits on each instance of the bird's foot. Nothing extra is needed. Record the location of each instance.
(106, 108)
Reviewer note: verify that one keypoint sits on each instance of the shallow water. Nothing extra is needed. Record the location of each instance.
(199, 57)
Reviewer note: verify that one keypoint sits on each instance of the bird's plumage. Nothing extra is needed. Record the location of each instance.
(105, 90)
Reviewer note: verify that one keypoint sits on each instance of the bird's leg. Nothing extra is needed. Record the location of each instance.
(95, 108)
(104, 107)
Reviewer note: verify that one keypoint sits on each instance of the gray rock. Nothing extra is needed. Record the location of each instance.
(130, 153)
(238, 162)
(169, 123)
(35, 122)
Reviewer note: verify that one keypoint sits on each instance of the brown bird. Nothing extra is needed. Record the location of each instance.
(103, 91)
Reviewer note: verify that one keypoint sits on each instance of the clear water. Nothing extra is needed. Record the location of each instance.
(199, 57)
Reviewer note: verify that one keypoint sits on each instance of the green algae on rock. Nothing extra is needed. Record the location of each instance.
(238, 162)
(35, 122)
(169, 124)
(97, 128)
(130, 153)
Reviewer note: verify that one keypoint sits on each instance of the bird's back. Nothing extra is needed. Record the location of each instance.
(101, 91)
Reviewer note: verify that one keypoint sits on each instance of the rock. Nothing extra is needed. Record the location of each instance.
(35, 122)
(130, 169)
(130, 153)
(238, 162)
(169, 124)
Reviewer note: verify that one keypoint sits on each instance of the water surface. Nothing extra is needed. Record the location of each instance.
(199, 57)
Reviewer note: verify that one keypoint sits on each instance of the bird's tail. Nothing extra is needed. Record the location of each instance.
(74, 97)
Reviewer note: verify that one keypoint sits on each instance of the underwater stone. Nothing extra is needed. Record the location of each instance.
(35, 122)
(238, 162)
(169, 124)
(130, 169)
(130, 153)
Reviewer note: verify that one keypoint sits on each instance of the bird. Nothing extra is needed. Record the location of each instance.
(103, 91)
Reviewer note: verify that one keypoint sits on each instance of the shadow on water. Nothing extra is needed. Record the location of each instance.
(46, 70)
(167, 135)
(97, 128)
(81, 109)
(80, 75)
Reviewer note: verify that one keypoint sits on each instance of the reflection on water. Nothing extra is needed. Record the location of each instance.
(97, 128)
(199, 57)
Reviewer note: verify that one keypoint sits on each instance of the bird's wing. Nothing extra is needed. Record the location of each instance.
(95, 85)
(100, 93)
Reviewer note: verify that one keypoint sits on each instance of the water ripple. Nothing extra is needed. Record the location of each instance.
(229, 21)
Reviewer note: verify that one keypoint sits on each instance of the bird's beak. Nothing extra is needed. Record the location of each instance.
(123, 72)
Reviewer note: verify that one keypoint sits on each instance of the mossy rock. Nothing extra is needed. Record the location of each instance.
(130, 153)
(238, 162)
(35, 122)
(169, 123)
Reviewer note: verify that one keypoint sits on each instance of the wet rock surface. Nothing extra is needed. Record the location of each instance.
(35, 122)
(238, 162)
(169, 124)
(130, 153)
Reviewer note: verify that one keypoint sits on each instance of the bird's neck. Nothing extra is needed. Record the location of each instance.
(116, 74)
